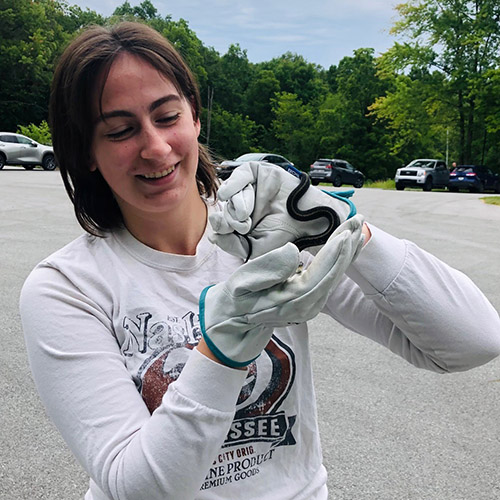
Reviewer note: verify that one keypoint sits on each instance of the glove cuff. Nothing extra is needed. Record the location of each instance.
(211, 345)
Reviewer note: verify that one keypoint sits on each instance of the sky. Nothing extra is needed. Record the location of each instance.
(322, 31)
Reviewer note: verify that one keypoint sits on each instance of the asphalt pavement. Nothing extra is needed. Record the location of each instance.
(389, 431)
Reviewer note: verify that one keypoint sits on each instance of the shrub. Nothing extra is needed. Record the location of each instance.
(40, 133)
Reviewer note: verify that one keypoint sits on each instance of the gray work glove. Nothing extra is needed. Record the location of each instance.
(255, 205)
(237, 316)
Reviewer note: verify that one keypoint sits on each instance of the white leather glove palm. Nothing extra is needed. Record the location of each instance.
(255, 205)
(237, 316)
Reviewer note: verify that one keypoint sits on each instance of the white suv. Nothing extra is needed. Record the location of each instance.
(423, 173)
(17, 149)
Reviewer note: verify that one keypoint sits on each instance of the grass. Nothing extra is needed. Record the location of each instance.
(491, 200)
(387, 184)
(390, 184)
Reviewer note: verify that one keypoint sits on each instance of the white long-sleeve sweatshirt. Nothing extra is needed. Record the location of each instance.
(111, 327)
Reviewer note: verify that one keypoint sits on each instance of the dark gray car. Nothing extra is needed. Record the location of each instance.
(337, 172)
(17, 149)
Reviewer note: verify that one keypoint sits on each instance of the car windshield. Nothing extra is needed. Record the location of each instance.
(422, 163)
(463, 169)
(319, 163)
(250, 157)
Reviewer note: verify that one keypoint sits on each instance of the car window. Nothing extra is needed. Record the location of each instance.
(250, 157)
(464, 169)
(24, 140)
(321, 163)
(421, 163)
(9, 138)
(349, 166)
(339, 164)
(274, 159)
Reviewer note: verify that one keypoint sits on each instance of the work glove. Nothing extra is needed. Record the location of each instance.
(237, 317)
(255, 218)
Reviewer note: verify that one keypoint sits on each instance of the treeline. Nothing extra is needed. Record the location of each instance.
(435, 93)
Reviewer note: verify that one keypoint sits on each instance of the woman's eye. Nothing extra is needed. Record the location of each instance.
(119, 134)
(169, 118)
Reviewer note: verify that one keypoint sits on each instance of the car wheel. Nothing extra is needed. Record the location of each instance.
(337, 181)
(49, 162)
(399, 186)
(2, 161)
(29, 167)
(428, 184)
(314, 182)
(358, 183)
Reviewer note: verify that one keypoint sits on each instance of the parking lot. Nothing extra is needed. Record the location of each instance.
(389, 431)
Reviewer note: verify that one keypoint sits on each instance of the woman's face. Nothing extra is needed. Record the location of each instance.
(145, 144)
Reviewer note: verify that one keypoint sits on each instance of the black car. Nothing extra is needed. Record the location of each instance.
(337, 172)
(475, 178)
(225, 169)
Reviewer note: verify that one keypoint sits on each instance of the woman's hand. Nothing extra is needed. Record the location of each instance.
(256, 218)
(237, 317)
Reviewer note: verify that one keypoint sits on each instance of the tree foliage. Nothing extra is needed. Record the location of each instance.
(461, 40)
(434, 91)
(39, 133)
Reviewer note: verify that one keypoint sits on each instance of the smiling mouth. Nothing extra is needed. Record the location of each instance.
(159, 175)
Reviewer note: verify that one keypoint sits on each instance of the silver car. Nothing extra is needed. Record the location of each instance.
(423, 173)
(17, 149)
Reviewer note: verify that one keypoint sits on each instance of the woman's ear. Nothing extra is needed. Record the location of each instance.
(197, 126)
(92, 164)
(196, 118)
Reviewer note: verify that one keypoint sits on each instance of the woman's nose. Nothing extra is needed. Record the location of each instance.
(155, 144)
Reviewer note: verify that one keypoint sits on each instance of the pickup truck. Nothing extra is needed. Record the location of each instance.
(423, 173)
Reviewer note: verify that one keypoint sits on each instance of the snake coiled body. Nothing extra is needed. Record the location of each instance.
(311, 214)
(305, 216)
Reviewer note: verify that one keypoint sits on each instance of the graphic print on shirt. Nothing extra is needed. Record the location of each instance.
(164, 345)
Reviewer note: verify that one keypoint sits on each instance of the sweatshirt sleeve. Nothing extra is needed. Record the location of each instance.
(88, 392)
(420, 308)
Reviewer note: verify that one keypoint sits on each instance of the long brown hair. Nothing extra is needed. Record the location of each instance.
(76, 80)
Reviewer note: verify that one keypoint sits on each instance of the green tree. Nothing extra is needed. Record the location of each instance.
(418, 115)
(145, 11)
(231, 133)
(293, 127)
(39, 133)
(190, 47)
(261, 90)
(230, 84)
(460, 39)
(297, 76)
(489, 108)
(345, 127)
(30, 40)
(74, 18)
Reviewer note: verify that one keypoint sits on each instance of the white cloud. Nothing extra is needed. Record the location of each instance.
(323, 31)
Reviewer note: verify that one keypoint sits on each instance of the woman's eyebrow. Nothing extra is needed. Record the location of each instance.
(163, 100)
(112, 114)
(122, 112)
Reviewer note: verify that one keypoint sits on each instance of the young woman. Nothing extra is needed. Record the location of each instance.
(159, 393)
